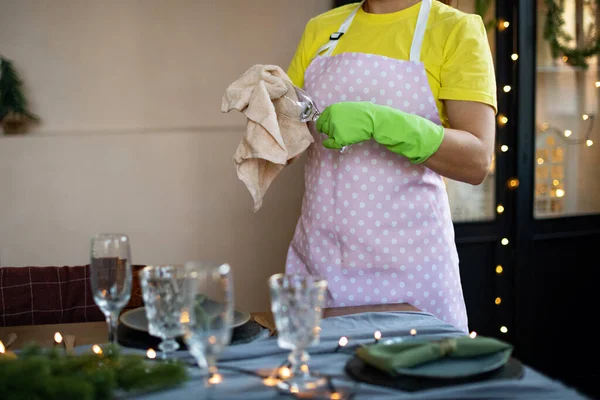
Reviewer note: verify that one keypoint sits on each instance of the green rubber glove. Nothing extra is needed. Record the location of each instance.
(411, 136)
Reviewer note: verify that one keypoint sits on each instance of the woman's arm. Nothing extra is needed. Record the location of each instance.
(468, 146)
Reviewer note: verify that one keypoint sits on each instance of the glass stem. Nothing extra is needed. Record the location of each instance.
(298, 359)
(112, 320)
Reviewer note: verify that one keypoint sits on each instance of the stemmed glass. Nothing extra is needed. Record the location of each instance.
(163, 291)
(207, 319)
(111, 276)
(302, 107)
(297, 303)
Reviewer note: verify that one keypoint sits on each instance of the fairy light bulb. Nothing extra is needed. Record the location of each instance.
(507, 88)
(540, 161)
(499, 269)
(598, 84)
(500, 209)
(270, 381)
(413, 332)
(502, 25)
(498, 300)
(502, 119)
(585, 117)
(568, 133)
(377, 336)
(151, 354)
(513, 183)
(504, 241)
(473, 335)
(504, 148)
(514, 56)
(343, 341)
(215, 379)
(503, 329)
(560, 193)
(285, 372)
(97, 349)
(589, 142)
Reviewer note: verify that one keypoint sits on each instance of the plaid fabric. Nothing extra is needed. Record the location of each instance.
(52, 295)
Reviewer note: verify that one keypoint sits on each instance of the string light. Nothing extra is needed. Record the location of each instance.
(413, 332)
(270, 381)
(507, 88)
(503, 329)
(215, 379)
(504, 241)
(97, 349)
(589, 142)
(473, 335)
(284, 372)
(151, 354)
(502, 119)
(58, 339)
(502, 25)
(335, 396)
(504, 148)
(500, 209)
(514, 56)
(499, 269)
(513, 183)
(377, 336)
(498, 300)
(341, 343)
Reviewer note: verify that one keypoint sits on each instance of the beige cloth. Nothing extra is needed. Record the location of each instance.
(273, 139)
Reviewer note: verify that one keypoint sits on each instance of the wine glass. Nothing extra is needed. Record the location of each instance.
(297, 303)
(302, 107)
(208, 315)
(111, 276)
(163, 291)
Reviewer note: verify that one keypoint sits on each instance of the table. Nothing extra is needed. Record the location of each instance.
(89, 333)
(358, 325)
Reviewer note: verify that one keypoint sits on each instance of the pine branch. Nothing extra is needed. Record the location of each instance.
(12, 98)
(86, 376)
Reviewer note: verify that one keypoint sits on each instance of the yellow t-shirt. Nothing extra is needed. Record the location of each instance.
(455, 50)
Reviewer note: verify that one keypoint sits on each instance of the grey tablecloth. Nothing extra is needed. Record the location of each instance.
(265, 354)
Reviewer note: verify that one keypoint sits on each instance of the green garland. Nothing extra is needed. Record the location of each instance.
(554, 34)
(45, 374)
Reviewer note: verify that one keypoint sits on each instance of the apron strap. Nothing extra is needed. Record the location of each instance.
(415, 49)
(335, 37)
(417, 43)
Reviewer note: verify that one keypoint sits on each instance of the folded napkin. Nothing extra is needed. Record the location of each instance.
(411, 353)
(272, 139)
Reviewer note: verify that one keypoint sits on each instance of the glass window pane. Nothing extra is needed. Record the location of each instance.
(470, 203)
(566, 159)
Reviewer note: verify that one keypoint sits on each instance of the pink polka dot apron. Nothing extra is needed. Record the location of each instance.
(377, 227)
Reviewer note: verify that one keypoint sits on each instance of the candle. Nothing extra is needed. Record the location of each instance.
(341, 343)
(377, 336)
(6, 354)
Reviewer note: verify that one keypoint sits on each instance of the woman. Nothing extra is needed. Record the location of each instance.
(408, 87)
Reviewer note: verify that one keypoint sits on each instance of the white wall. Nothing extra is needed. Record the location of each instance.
(132, 138)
